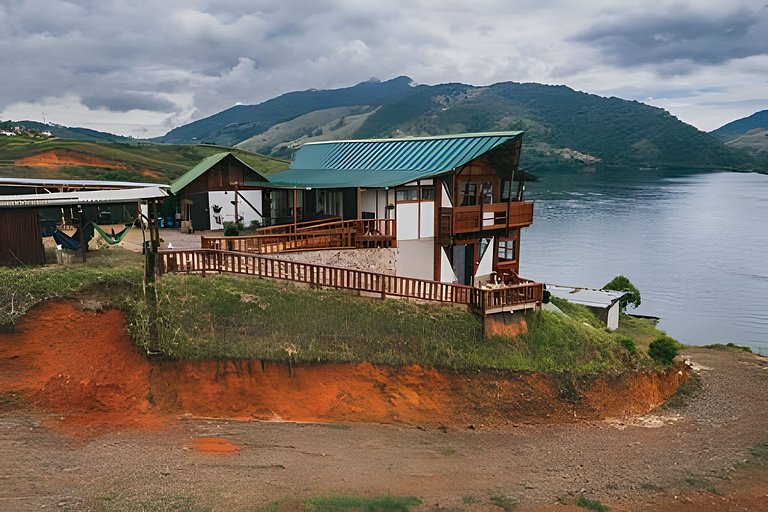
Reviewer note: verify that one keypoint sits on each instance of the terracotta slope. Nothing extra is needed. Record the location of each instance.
(76, 366)
(63, 158)
(83, 366)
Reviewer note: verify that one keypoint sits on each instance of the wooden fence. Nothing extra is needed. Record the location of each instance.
(523, 296)
(347, 234)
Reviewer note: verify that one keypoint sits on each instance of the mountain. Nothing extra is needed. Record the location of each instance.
(66, 132)
(563, 127)
(749, 134)
(729, 131)
(26, 157)
(243, 121)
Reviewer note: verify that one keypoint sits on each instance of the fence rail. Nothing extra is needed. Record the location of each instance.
(347, 234)
(526, 295)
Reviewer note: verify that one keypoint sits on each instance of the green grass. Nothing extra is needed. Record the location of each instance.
(165, 162)
(642, 330)
(225, 316)
(589, 504)
(577, 312)
(242, 317)
(760, 450)
(504, 502)
(105, 271)
(685, 392)
(384, 503)
(728, 346)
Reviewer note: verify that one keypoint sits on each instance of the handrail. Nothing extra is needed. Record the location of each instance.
(524, 295)
(349, 234)
(291, 228)
(468, 219)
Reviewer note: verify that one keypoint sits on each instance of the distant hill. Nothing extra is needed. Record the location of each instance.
(66, 132)
(749, 134)
(63, 158)
(241, 122)
(741, 126)
(563, 127)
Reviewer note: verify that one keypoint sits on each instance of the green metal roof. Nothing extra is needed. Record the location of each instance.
(384, 162)
(202, 167)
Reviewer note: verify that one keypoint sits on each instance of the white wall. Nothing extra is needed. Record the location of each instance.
(447, 275)
(485, 267)
(427, 219)
(407, 221)
(613, 317)
(227, 213)
(415, 258)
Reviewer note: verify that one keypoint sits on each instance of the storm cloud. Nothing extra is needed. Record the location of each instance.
(680, 35)
(144, 67)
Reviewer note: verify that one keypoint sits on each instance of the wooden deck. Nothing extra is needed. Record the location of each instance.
(471, 219)
(526, 295)
(336, 234)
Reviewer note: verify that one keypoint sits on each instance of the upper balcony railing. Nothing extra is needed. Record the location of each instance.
(471, 219)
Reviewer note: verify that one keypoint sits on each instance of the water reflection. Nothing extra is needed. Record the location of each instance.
(695, 244)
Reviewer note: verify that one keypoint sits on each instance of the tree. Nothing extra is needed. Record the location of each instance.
(622, 284)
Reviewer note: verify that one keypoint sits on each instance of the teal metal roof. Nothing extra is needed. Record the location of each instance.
(202, 167)
(384, 162)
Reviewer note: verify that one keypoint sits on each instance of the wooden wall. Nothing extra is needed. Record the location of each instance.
(20, 240)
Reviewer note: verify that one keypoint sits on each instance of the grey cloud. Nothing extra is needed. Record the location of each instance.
(679, 35)
(125, 101)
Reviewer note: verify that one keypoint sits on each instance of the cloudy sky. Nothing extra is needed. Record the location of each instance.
(143, 67)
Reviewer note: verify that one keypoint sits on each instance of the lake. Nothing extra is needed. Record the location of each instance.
(694, 243)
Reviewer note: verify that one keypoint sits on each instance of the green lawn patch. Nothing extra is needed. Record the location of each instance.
(642, 330)
(384, 503)
(226, 316)
(589, 504)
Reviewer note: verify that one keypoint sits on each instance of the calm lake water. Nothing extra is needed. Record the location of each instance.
(695, 244)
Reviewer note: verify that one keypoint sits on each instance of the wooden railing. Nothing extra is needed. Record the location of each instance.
(470, 219)
(292, 228)
(347, 234)
(523, 296)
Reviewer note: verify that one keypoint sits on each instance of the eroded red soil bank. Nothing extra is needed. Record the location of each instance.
(82, 367)
(62, 158)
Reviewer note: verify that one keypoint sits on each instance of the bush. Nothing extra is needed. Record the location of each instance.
(622, 284)
(232, 229)
(629, 344)
(664, 349)
(255, 224)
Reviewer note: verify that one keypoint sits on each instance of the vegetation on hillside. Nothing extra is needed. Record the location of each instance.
(563, 127)
(145, 162)
(222, 316)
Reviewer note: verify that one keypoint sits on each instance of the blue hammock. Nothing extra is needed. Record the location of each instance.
(73, 242)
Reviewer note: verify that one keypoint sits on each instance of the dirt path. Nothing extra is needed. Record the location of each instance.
(695, 453)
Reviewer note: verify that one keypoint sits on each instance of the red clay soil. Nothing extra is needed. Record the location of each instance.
(82, 367)
(62, 158)
(79, 368)
(214, 446)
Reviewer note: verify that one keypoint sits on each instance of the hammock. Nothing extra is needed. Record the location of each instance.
(73, 242)
(113, 238)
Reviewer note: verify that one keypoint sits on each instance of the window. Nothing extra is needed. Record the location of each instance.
(507, 249)
(469, 194)
(427, 193)
(407, 194)
(330, 202)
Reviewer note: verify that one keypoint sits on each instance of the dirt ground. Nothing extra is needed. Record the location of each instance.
(705, 454)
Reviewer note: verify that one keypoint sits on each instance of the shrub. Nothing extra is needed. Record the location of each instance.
(622, 284)
(232, 229)
(629, 344)
(255, 224)
(664, 349)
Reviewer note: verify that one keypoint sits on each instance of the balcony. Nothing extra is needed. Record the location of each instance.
(486, 217)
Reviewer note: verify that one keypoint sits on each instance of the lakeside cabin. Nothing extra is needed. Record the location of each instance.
(450, 204)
